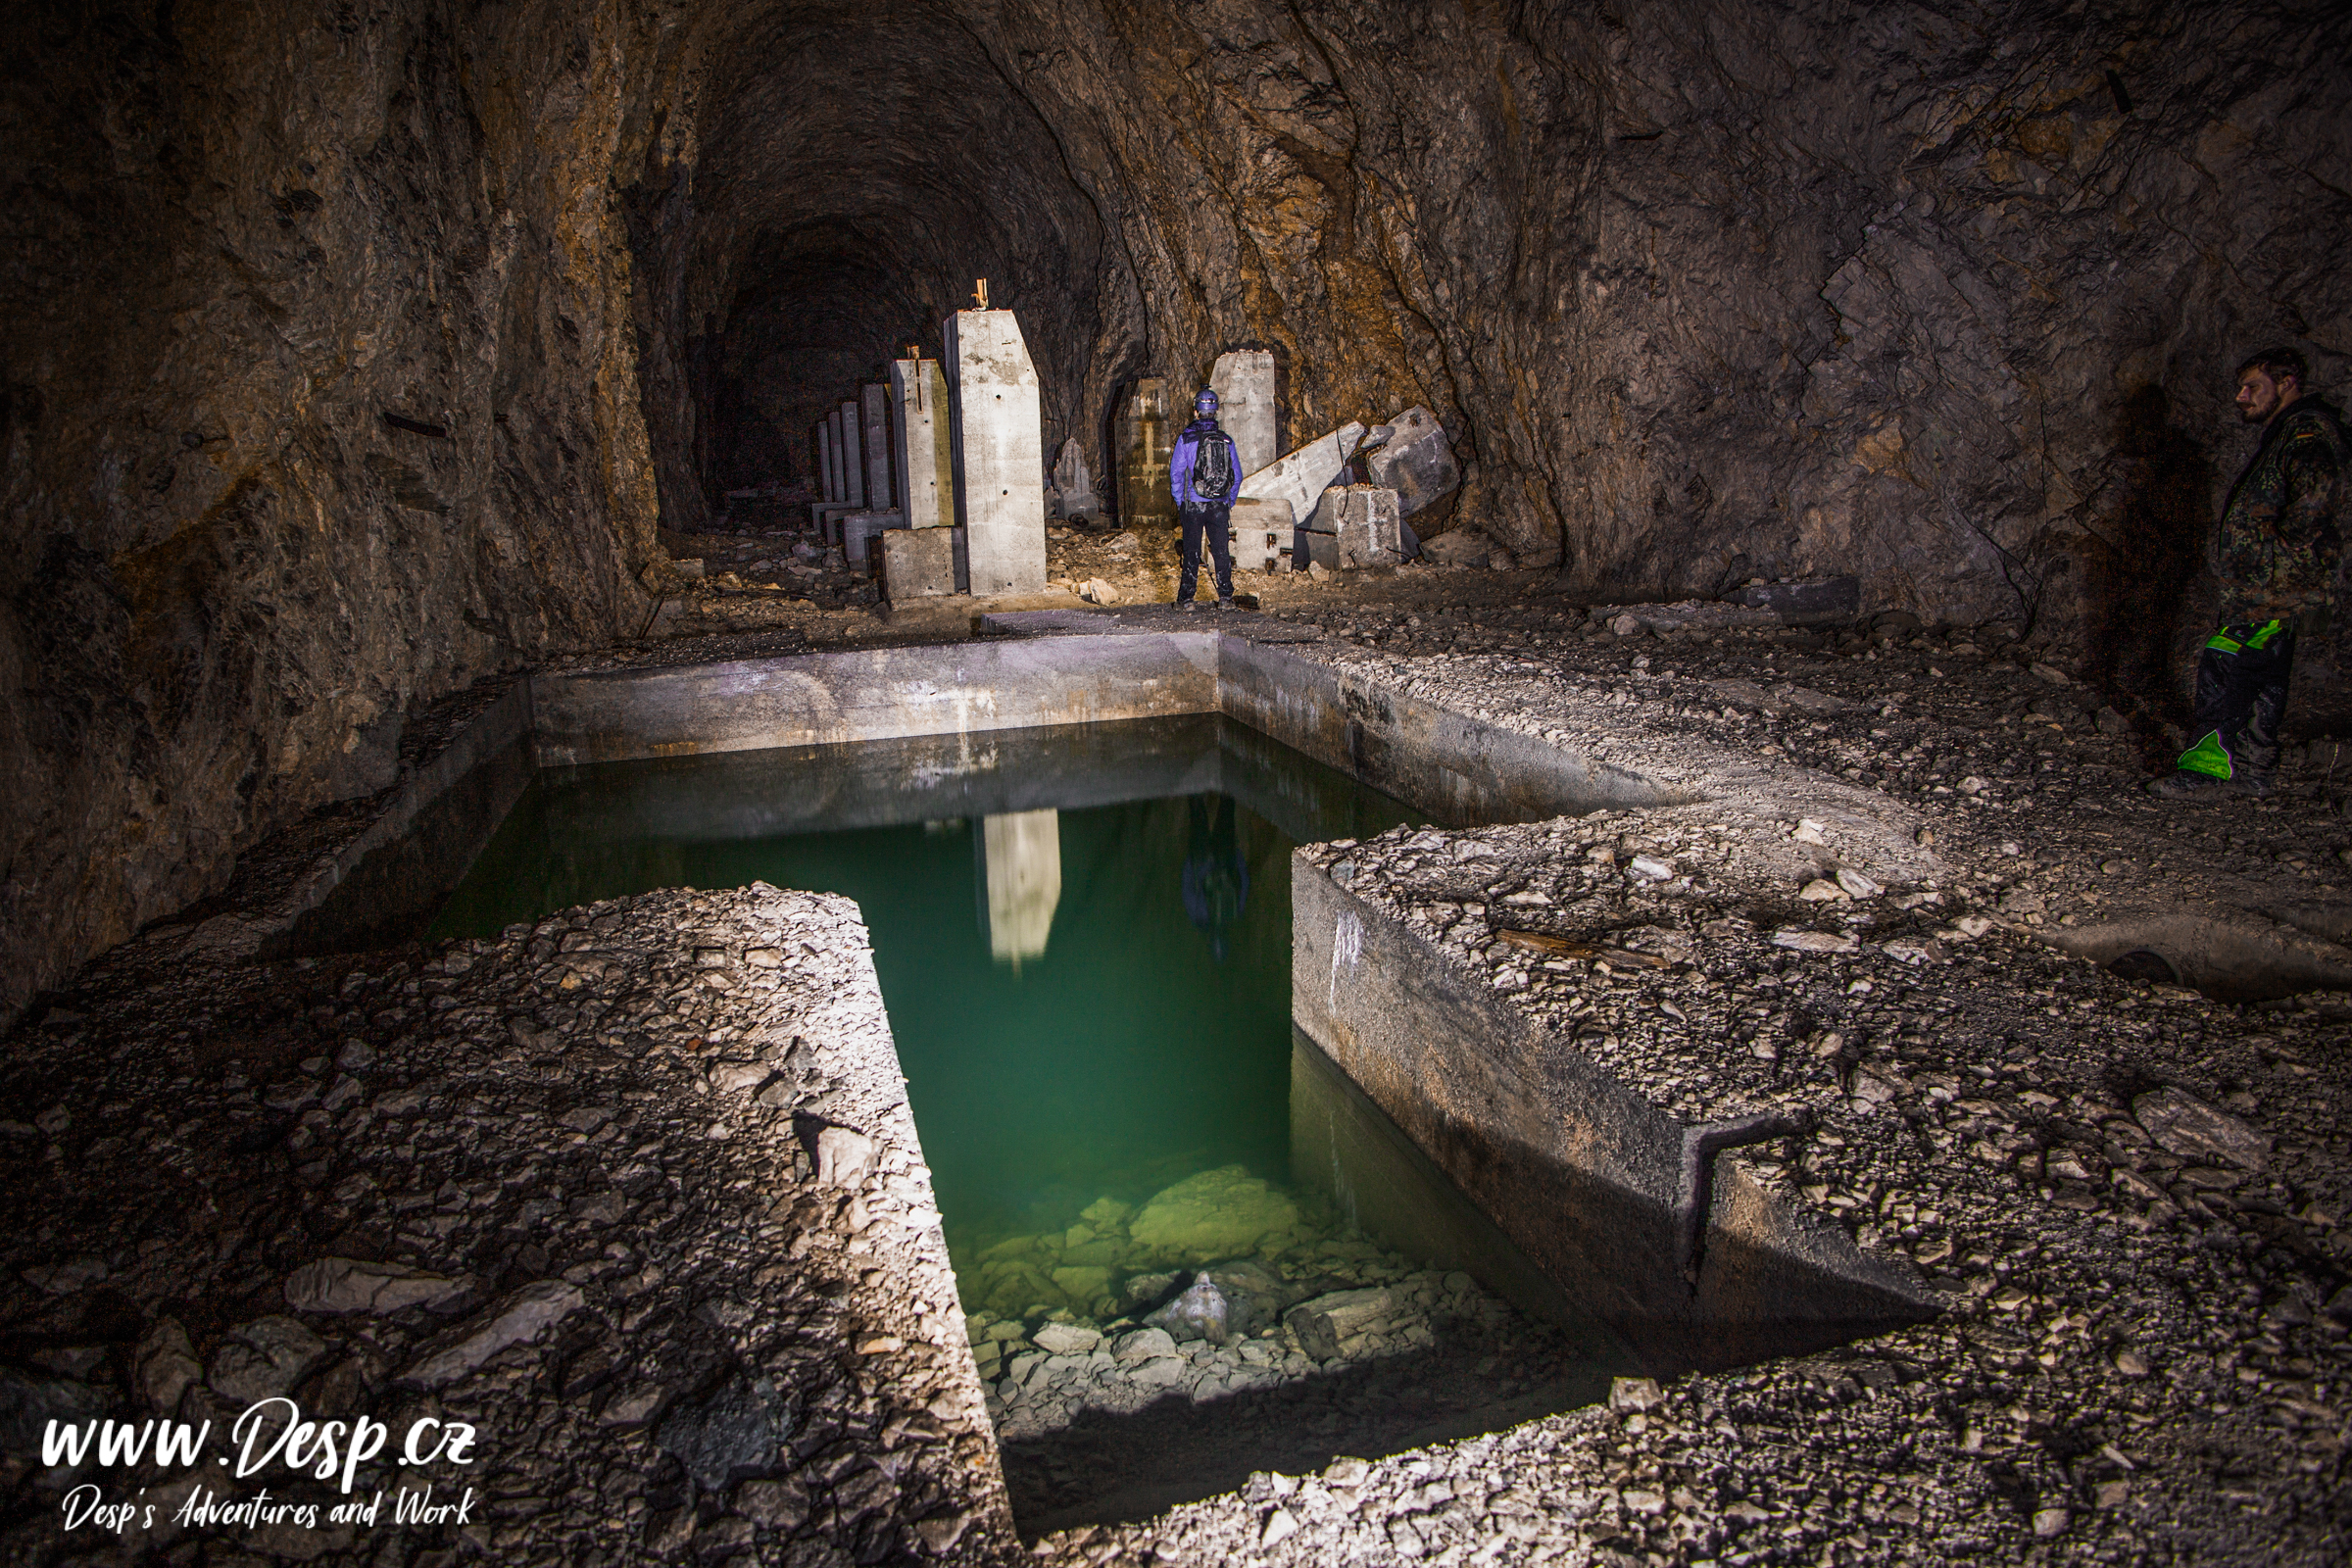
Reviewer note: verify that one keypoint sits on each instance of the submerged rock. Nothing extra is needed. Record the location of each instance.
(1225, 1213)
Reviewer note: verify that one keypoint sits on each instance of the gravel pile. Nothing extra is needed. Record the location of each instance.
(633, 1193)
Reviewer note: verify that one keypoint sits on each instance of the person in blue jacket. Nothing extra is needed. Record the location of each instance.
(1204, 475)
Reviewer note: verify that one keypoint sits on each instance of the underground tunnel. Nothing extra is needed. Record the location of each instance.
(647, 917)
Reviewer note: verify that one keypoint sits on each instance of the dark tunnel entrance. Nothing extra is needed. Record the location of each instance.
(859, 172)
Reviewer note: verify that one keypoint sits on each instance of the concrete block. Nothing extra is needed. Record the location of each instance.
(859, 531)
(853, 460)
(1366, 521)
(1244, 381)
(833, 490)
(1302, 476)
(999, 453)
(1797, 603)
(921, 431)
(1145, 440)
(820, 447)
(1309, 548)
(918, 564)
(1261, 535)
(1417, 462)
(873, 432)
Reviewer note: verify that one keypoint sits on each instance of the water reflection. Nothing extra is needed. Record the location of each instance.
(1215, 877)
(1024, 882)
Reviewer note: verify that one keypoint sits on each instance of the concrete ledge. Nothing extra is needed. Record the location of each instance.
(871, 695)
(1578, 1170)
(1456, 768)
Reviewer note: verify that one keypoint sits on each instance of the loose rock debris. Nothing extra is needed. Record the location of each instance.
(632, 1193)
(2125, 1195)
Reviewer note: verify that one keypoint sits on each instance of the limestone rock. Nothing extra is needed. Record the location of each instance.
(1225, 1213)
(1463, 547)
(1067, 1339)
(28, 1405)
(843, 1156)
(263, 1359)
(2197, 1131)
(520, 1317)
(165, 1364)
(733, 1430)
(350, 1285)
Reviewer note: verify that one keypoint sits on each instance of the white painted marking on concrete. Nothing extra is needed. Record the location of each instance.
(1347, 946)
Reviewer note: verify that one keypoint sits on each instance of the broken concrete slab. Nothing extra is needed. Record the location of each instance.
(1244, 382)
(853, 456)
(1416, 461)
(1301, 477)
(1801, 602)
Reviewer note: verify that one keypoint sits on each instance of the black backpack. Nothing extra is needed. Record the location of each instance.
(1216, 469)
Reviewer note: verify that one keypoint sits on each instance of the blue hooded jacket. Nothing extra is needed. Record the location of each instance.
(1180, 465)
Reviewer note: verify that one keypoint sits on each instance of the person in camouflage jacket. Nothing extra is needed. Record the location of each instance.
(2278, 555)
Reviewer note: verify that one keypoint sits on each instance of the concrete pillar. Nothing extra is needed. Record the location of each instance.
(873, 426)
(999, 453)
(818, 463)
(853, 464)
(919, 429)
(1145, 441)
(830, 433)
(1244, 382)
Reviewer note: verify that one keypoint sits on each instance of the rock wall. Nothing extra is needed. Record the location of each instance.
(318, 401)
(1928, 292)
(346, 359)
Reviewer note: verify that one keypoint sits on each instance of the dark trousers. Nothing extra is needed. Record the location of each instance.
(1217, 523)
(2241, 694)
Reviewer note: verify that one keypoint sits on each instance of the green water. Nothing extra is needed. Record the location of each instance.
(1083, 935)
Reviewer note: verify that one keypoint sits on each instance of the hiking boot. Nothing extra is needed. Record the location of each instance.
(1225, 603)
(1188, 604)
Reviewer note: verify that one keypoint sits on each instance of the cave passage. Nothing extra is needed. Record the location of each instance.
(862, 170)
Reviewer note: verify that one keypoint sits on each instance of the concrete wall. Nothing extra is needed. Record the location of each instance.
(1457, 769)
(1579, 1171)
(871, 695)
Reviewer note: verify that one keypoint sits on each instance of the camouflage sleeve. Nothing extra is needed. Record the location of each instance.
(2308, 514)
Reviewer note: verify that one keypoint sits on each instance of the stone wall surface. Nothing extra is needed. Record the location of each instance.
(318, 400)
(1946, 297)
